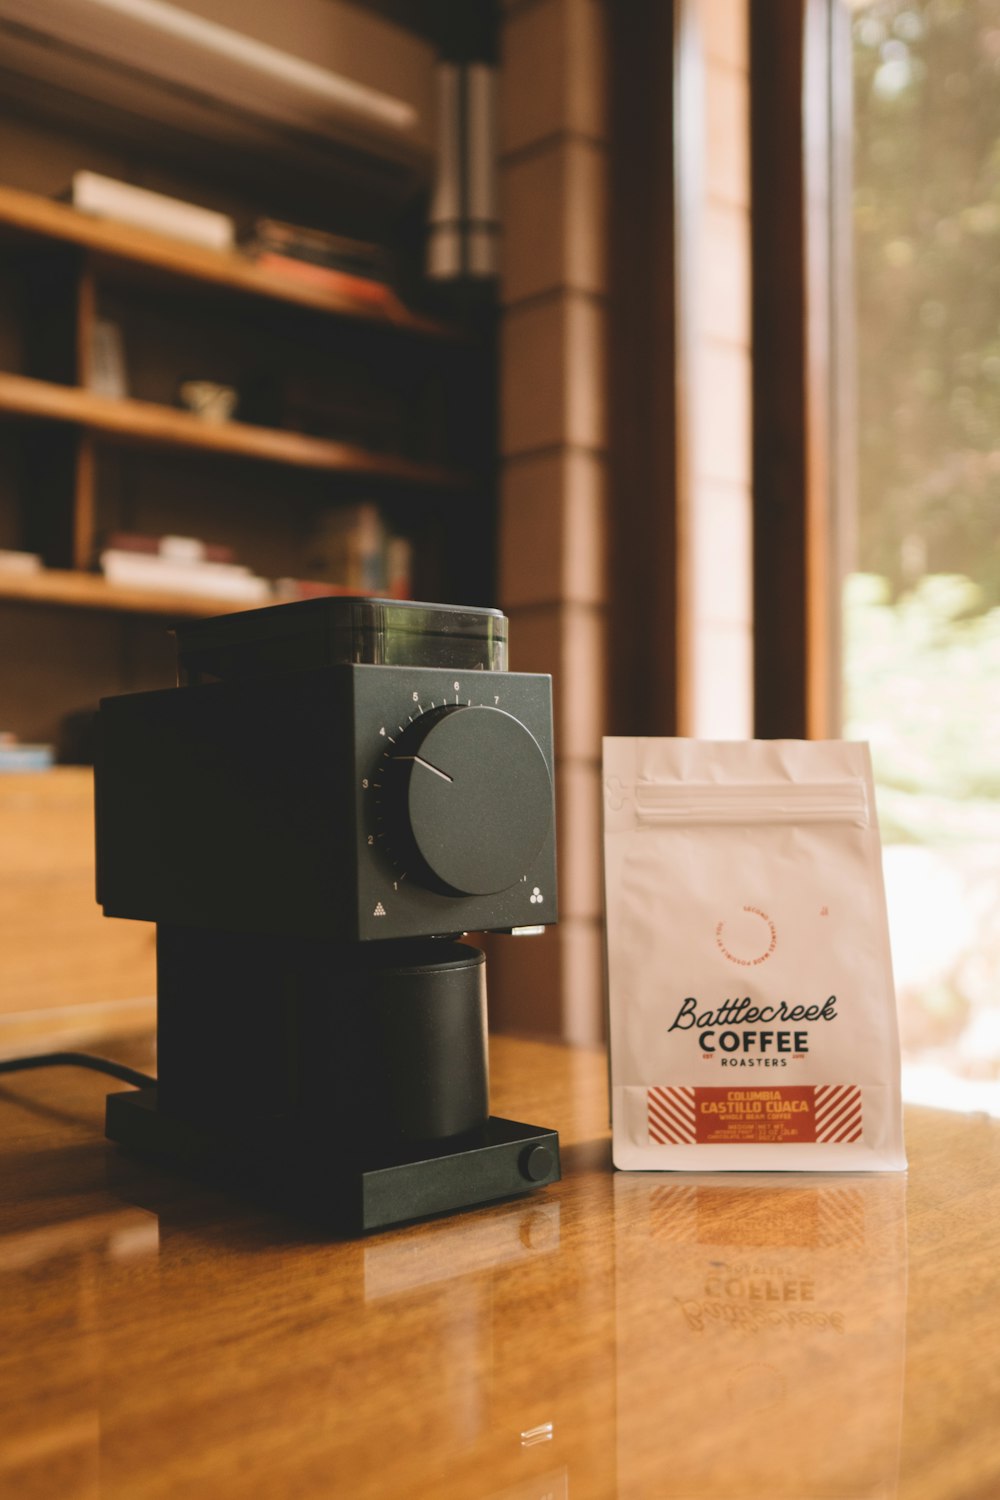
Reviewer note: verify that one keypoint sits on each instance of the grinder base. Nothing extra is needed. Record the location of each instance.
(349, 1192)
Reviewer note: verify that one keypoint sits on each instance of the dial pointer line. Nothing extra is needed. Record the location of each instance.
(419, 760)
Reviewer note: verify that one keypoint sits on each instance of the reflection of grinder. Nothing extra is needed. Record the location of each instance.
(336, 790)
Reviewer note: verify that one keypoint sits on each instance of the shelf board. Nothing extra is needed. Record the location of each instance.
(42, 218)
(91, 591)
(149, 425)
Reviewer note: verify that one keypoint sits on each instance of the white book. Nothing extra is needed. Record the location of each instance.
(144, 570)
(107, 198)
(19, 562)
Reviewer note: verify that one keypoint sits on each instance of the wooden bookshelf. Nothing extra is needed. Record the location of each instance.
(400, 394)
(69, 262)
(163, 427)
(27, 216)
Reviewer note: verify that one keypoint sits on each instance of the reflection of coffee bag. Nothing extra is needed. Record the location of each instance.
(760, 1326)
(752, 1012)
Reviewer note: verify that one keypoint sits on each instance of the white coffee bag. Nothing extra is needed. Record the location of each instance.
(752, 1012)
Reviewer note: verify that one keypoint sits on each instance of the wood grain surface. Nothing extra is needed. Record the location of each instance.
(633, 1335)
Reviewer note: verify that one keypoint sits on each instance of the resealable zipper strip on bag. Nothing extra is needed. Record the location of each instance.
(751, 1006)
(760, 803)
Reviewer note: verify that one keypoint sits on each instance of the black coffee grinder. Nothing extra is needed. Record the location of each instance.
(333, 794)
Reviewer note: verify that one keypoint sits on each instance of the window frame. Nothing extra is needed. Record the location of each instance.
(801, 319)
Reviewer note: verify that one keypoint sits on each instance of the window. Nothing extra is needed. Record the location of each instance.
(921, 601)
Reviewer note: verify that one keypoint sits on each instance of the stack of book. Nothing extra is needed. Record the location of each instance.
(353, 551)
(15, 755)
(108, 198)
(356, 269)
(180, 564)
(20, 563)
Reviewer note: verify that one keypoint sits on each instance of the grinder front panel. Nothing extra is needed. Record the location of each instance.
(349, 802)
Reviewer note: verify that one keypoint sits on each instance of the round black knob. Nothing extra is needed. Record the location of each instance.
(536, 1163)
(469, 797)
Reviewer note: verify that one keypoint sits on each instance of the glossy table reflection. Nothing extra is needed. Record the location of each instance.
(619, 1335)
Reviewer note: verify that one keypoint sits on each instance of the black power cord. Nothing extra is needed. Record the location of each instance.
(77, 1060)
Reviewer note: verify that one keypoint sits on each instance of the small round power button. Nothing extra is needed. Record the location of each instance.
(536, 1163)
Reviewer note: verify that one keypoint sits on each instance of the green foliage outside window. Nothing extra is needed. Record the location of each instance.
(927, 269)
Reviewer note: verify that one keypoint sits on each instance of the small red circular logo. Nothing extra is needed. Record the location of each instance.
(744, 941)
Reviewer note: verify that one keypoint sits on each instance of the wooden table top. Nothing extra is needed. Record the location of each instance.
(647, 1336)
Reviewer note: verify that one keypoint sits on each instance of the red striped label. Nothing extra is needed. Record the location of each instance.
(672, 1116)
(811, 1114)
(838, 1113)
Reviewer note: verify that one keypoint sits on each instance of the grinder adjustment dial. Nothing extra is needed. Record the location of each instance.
(467, 800)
